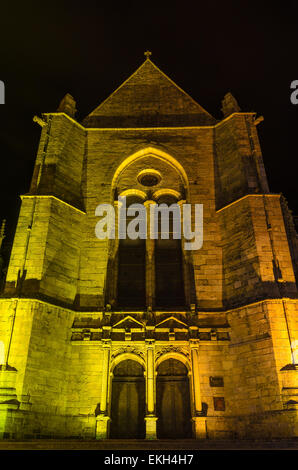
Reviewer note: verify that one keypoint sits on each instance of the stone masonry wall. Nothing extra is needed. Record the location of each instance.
(59, 163)
(238, 169)
(194, 151)
(253, 258)
(245, 258)
(46, 251)
(251, 367)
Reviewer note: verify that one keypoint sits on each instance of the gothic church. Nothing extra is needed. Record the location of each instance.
(142, 339)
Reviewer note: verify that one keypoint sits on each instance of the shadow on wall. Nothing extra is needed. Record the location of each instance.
(253, 288)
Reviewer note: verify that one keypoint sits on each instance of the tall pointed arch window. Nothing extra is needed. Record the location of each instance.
(149, 272)
(169, 284)
(131, 286)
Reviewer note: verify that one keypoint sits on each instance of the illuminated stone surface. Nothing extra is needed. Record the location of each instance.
(239, 320)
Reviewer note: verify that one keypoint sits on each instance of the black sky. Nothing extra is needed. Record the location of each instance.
(89, 48)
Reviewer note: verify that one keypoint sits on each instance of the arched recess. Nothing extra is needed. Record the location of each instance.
(128, 284)
(155, 153)
(134, 192)
(173, 355)
(166, 192)
(127, 356)
(173, 407)
(128, 400)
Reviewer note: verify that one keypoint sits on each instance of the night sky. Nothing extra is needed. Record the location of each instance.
(89, 48)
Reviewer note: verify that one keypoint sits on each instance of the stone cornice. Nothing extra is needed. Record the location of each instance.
(111, 129)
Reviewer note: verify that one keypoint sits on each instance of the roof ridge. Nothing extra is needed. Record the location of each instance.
(119, 87)
(177, 86)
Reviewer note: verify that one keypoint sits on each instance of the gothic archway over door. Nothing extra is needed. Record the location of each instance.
(128, 401)
(173, 401)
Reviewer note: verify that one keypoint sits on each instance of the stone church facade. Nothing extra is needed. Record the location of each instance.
(142, 338)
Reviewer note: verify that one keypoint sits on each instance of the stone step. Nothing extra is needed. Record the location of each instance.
(160, 444)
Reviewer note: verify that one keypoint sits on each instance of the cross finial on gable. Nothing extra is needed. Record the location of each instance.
(147, 54)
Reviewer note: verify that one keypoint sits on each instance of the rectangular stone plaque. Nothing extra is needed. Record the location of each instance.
(216, 381)
(219, 403)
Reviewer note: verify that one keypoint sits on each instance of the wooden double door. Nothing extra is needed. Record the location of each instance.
(128, 404)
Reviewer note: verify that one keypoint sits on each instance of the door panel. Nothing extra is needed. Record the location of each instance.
(128, 402)
(173, 401)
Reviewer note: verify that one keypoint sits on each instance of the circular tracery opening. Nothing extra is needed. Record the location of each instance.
(149, 178)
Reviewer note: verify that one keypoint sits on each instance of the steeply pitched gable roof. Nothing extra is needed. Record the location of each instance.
(148, 98)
